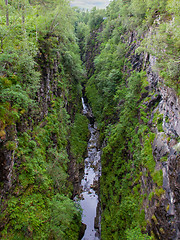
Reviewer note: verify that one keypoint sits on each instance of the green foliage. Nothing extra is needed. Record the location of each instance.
(27, 216)
(129, 143)
(147, 155)
(159, 192)
(39, 53)
(40, 92)
(64, 213)
(151, 195)
(157, 177)
(82, 31)
(40, 207)
(11, 145)
(18, 98)
(95, 18)
(135, 234)
(158, 120)
(79, 134)
(164, 36)
(119, 98)
(101, 87)
(125, 140)
(94, 98)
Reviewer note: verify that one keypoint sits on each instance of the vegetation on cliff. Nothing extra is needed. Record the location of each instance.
(40, 119)
(123, 45)
(130, 51)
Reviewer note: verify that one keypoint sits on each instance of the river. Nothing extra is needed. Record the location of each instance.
(89, 199)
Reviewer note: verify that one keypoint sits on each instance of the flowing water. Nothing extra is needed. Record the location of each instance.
(90, 183)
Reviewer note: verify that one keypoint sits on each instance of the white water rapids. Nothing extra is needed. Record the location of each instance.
(90, 184)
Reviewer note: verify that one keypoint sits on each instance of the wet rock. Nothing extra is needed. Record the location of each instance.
(97, 218)
(95, 185)
(82, 231)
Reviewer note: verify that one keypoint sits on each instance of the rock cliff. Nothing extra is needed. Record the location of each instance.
(163, 211)
(149, 144)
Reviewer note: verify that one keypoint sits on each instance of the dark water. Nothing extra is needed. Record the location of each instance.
(90, 184)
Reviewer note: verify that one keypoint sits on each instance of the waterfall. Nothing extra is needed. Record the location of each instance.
(89, 198)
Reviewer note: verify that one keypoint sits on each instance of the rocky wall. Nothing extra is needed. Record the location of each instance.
(162, 211)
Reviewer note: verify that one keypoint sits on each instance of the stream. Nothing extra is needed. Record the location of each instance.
(89, 199)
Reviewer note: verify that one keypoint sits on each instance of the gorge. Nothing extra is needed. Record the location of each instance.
(90, 110)
(90, 202)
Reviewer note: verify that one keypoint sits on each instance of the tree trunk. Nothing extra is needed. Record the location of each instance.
(23, 9)
(7, 13)
(23, 14)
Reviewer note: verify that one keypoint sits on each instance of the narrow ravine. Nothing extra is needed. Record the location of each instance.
(90, 202)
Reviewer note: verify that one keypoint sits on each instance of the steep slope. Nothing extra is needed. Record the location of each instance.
(131, 52)
(134, 94)
(41, 122)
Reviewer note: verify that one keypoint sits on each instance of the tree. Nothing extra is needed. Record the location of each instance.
(7, 13)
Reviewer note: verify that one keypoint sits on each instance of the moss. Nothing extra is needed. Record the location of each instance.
(159, 192)
(145, 82)
(147, 154)
(157, 177)
(164, 159)
(167, 208)
(167, 119)
(158, 120)
(145, 196)
(154, 219)
(11, 145)
(2, 133)
(151, 195)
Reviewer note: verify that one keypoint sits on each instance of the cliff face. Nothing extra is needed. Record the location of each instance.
(140, 162)
(48, 90)
(38, 150)
(92, 51)
(43, 134)
(7, 158)
(161, 212)
(165, 145)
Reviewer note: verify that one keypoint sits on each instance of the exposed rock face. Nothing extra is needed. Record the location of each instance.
(48, 88)
(162, 211)
(7, 147)
(167, 209)
(170, 108)
(75, 171)
(48, 85)
(9, 142)
(92, 51)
